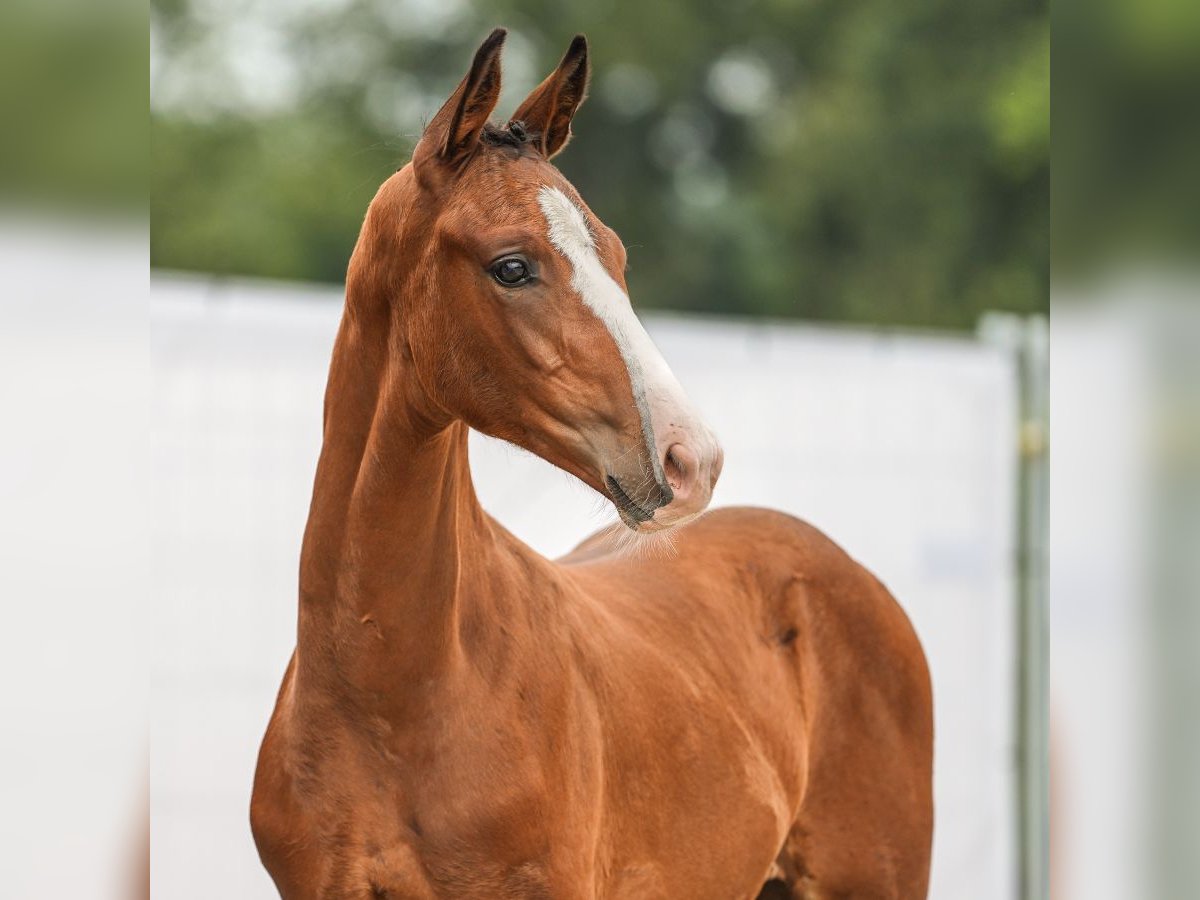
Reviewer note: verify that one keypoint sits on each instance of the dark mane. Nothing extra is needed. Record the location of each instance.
(514, 135)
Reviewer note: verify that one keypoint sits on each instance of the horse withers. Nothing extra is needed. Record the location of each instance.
(748, 715)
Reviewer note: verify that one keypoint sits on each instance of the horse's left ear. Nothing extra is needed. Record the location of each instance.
(547, 112)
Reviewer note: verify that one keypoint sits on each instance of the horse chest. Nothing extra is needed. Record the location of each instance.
(468, 819)
(467, 849)
(530, 796)
(492, 819)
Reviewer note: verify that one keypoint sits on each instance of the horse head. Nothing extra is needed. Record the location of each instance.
(516, 316)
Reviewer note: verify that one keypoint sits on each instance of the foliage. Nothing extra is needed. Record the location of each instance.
(72, 83)
(1127, 135)
(832, 159)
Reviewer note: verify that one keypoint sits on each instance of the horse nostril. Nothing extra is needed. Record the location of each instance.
(675, 468)
(682, 469)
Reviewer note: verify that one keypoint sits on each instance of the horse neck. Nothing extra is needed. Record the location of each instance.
(396, 537)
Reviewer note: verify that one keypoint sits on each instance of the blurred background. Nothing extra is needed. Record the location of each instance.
(840, 207)
(857, 161)
(74, 497)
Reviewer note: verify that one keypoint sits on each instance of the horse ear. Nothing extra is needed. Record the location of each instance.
(452, 136)
(547, 112)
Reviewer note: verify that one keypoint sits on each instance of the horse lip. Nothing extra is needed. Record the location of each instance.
(625, 504)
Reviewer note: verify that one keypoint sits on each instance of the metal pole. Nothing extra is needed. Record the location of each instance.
(1027, 339)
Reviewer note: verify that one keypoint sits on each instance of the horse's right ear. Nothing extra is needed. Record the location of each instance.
(452, 136)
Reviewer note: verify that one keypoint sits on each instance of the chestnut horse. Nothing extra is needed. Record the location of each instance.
(747, 716)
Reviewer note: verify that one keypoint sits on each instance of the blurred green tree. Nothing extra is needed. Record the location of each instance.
(850, 160)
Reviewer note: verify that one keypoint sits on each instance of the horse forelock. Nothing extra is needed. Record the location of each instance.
(514, 134)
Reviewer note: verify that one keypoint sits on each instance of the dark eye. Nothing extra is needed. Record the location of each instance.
(511, 271)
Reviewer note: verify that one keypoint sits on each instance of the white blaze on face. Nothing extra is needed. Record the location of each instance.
(660, 400)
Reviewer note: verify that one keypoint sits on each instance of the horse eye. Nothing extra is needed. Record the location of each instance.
(511, 271)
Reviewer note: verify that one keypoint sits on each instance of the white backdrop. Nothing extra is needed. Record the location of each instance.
(901, 447)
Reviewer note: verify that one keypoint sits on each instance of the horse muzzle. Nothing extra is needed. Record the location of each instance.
(674, 491)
